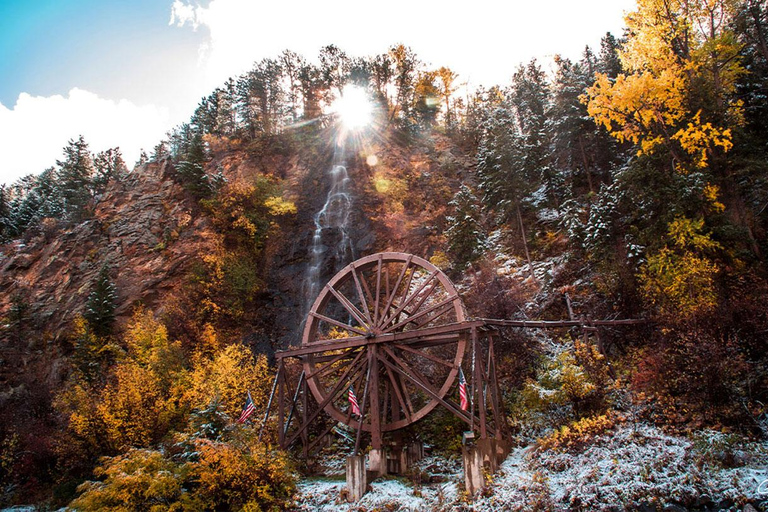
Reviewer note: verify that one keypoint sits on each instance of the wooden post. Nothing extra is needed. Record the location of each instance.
(482, 409)
(498, 416)
(304, 434)
(376, 457)
(281, 404)
(473, 339)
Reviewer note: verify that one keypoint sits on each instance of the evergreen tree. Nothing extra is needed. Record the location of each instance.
(466, 239)
(260, 98)
(609, 62)
(581, 154)
(75, 177)
(108, 165)
(33, 198)
(191, 170)
(405, 67)
(502, 171)
(334, 69)
(529, 95)
(6, 224)
(292, 64)
(311, 84)
(100, 307)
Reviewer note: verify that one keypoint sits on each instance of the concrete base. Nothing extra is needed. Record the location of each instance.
(377, 462)
(356, 477)
(503, 449)
(489, 453)
(473, 469)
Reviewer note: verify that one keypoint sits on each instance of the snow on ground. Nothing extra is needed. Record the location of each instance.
(633, 465)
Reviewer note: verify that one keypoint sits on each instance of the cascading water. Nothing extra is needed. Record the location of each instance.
(332, 227)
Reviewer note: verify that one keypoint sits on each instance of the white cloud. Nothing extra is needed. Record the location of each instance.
(34, 132)
(483, 41)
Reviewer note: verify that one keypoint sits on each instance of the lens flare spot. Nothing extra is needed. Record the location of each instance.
(372, 160)
(382, 185)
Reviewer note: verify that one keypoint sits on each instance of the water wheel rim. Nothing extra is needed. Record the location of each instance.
(375, 337)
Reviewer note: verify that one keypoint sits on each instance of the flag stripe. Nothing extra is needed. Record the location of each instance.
(353, 401)
(248, 409)
(463, 397)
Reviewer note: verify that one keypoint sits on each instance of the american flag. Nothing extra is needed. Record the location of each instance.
(248, 409)
(463, 391)
(353, 401)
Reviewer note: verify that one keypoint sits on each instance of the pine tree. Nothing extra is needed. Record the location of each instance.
(502, 169)
(191, 170)
(75, 177)
(529, 95)
(6, 224)
(108, 165)
(100, 307)
(466, 239)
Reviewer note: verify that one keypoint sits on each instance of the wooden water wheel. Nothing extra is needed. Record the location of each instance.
(388, 322)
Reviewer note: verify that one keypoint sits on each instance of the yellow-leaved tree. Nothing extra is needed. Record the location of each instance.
(679, 279)
(677, 91)
(140, 401)
(228, 376)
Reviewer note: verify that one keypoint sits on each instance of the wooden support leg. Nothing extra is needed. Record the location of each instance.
(281, 405)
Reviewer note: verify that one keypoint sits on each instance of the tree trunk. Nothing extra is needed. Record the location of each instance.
(525, 241)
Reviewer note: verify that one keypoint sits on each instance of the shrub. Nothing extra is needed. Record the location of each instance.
(579, 433)
(252, 478)
(140, 480)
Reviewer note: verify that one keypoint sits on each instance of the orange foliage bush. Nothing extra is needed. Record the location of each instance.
(579, 433)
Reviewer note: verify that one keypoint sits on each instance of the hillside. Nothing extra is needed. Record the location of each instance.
(140, 307)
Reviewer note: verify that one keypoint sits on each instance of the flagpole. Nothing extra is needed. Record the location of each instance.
(362, 411)
(269, 403)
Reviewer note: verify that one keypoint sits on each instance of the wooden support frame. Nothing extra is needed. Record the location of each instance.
(298, 410)
(404, 339)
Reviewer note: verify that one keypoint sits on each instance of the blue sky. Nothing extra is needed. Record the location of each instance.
(115, 48)
(123, 72)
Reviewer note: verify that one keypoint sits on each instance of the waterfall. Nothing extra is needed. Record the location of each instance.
(333, 221)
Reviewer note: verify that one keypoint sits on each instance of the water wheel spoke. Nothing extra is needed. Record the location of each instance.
(356, 365)
(350, 373)
(406, 289)
(361, 295)
(444, 304)
(367, 290)
(414, 376)
(378, 290)
(322, 370)
(394, 312)
(348, 306)
(386, 288)
(432, 275)
(398, 393)
(405, 366)
(423, 385)
(424, 354)
(391, 297)
(424, 296)
(342, 325)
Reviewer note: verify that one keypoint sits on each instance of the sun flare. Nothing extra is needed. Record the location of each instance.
(353, 108)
